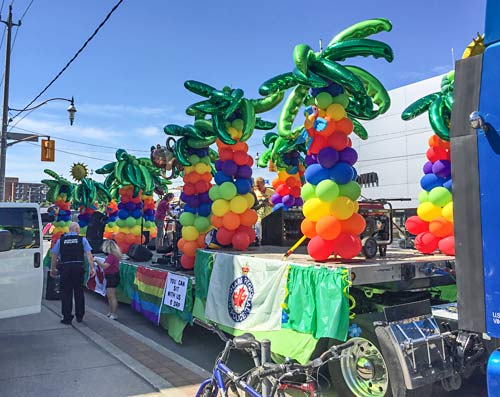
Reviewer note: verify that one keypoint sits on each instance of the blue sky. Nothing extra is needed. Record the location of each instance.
(128, 83)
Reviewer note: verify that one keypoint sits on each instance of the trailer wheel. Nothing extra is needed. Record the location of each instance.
(370, 247)
(364, 372)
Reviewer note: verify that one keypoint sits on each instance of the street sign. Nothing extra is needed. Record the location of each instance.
(16, 136)
(48, 150)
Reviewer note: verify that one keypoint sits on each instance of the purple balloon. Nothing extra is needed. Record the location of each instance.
(183, 196)
(288, 200)
(121, 206)
(244, 171)
(130, 206)
(348, 155)
(194, 201)
(80, 217)
(328, 157)
(229, 168)
(204, 198)
(309, 160)
(428, 168)
(298, 202)
(276, 198)
(218, 165)
(442, 168)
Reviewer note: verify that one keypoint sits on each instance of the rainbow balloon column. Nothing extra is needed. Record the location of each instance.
(330, 207)
(287, 187)
(195, 219)
(232, 200)
(433, 225)
(60, 193)
(84, 215)
(233, 120)
(148, 225)
(129, 218)
(339, 95)
(112, 216)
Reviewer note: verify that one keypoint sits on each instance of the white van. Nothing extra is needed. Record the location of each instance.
(21, 273)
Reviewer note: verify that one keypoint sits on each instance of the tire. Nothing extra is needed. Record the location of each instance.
(370, 247)
(366, 372)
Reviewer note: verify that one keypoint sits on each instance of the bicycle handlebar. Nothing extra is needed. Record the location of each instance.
(213, 328)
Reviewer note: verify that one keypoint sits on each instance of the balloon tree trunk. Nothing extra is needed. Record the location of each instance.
(112, 216)
(433, 224)
(195, 219)
(129, 221)
(84, 218)
(288, 184)
(148, 224)
(331, 192)
(232, 200)
(63, 217)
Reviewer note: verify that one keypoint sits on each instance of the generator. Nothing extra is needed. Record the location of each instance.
(378, 231)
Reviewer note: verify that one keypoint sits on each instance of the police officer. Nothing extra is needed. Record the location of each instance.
(70, 249)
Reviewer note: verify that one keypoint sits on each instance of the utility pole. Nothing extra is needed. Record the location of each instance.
(5, 112)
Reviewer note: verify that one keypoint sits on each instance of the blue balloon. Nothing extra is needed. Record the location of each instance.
(355, 174)
(187, 208)
(137, 213)
(315, 173)
(448, 184)
(341, 173)
(220, 178)
(430, 181)
(243, 185)
(123, 214)
(335, 89)
(205, 209)
(83, 223)
(278, 206)
(121, 206)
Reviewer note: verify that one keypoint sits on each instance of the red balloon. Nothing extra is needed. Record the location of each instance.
(283, 190)
(250, 161)
(320, 249)
(347, 245)
(319, 142)
(415, 225)
(189, 189)
(338, 141)
(437, 153)
(225, 154)
(295, 191)
(247, 230)
(240, 157)
(447, 245)
(202, 186)
(426, 243)
(345, 126)
(224, 236)
(241, 241)
(187, 262)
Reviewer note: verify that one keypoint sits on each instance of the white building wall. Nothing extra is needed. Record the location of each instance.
(395, 149)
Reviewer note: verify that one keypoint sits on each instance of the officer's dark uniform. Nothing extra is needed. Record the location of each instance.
(72, 270)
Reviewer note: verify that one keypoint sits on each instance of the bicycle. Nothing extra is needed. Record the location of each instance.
(264, 379)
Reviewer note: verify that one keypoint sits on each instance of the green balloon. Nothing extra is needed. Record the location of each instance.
(205, 160)
(201, 224)
(440, 196)
(112, 224)
(139, 221)
(130, 221)
(227, 190)
(310, 101)
(423, 196)
(351, 189)
(341, 99)
(120, 223)
(214, 193)
(194, 159)
(148, 225)
(238, 124)
(327, 190)
(187, 219)
(323, 100)
(308, 191)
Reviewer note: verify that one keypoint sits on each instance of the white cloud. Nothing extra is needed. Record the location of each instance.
(150, 131)
(120, 110)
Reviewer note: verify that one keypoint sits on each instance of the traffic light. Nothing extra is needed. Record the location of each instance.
(48, 150)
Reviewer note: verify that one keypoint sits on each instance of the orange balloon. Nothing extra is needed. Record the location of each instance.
(190, 248)
(277, 182)
(119, 237)
(180, 243)
(338, 141)
(248, 218)
(231, 221)
(242, 146)
(207, 177)
(308, 228)
(130, 238)
(126, 190)
(328, 228)
(356, 224)
(440, 227)
(201, 240)
(331, 125)
(222, 145)
(216, 221)
(345, 126)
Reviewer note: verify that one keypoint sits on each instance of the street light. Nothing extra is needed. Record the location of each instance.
(71, 108)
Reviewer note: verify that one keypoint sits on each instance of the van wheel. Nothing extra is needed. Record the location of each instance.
(364, 372)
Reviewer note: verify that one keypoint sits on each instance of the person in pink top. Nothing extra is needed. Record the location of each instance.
(162, 210)
(111, 267)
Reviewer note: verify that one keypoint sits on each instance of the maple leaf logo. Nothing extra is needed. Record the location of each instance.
(239, 296)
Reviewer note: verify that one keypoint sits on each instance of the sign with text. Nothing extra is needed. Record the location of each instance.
(175, 291)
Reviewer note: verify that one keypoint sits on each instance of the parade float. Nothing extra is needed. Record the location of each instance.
(335, 97)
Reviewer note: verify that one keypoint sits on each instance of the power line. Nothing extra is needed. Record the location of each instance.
(74, 154)
(72, 59)
(17, 30)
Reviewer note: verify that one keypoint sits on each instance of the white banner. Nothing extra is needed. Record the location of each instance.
(175, 291)
(246, 293)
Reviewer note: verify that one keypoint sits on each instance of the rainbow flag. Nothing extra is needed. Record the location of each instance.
(147, 296)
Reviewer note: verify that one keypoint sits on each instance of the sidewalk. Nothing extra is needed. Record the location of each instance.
(101, 357)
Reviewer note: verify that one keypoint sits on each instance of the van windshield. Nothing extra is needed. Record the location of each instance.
(22, 223)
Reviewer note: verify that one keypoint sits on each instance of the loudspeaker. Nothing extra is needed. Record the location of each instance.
(151, 244)
(95, 231)
(139, 253)
(282, 228)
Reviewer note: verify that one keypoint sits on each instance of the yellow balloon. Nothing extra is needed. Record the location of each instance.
(125, 230)
(188, 169)
(250, 199)
(190, 233)
(314, 209)
(356, 206)
(238, 204)
(201, 168)
(428, 211)
(135, 230)
(321, 112)
(282, 175)
(343, 208)
(336, 111)
(447, 211)
(220, 207)
(235, 134)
